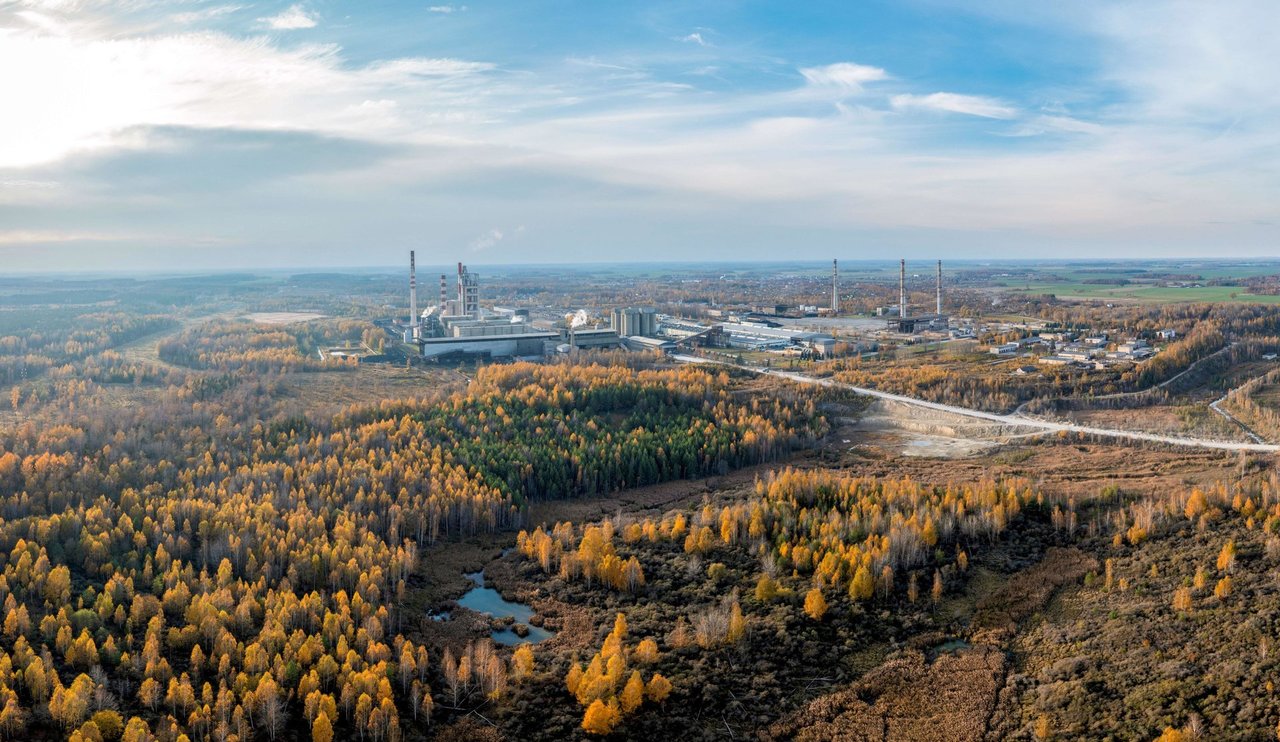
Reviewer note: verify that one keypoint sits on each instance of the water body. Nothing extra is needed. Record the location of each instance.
(951, 646)
(486, 600)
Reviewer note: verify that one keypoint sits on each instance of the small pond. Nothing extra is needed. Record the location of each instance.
(486, 600)
(950, 646)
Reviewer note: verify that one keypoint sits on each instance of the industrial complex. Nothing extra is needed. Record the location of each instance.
(457, 325)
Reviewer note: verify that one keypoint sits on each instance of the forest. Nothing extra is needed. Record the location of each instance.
(204, 538)
(192, 569)
(817, 564)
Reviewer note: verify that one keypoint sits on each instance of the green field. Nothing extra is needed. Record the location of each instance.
(1146, 294)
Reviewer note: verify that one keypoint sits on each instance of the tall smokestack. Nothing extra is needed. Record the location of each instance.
(902, 289)
(835, 293)
(413, 291)
(444, 294)
(939, 287)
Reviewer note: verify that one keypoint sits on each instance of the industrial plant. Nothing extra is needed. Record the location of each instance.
(458, 326)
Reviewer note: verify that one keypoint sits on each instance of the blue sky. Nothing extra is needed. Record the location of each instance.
(213, 134)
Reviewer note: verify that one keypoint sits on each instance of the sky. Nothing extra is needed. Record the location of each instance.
(194, 134)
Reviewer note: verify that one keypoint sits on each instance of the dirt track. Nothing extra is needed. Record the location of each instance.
(1025, 424)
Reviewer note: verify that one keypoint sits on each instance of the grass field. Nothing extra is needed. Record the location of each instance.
(1146, 293)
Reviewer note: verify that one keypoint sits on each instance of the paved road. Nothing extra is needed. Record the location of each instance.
(1014, 420)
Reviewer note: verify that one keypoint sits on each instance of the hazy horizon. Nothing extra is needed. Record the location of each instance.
(427, 268)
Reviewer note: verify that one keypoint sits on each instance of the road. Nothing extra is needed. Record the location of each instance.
(1013, 420)
(1233, 419)
(1161, 385)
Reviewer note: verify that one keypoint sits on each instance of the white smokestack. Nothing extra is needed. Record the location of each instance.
(835, 292)
(902, 289)
(939, 287)
(413, 291)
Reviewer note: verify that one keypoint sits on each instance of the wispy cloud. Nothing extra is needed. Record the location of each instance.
(695, 38)
(843, 75)
(206, 14)
(294, 18)
(971, 105)
(446, 9)
(19, 237)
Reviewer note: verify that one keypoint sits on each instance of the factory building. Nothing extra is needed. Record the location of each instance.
(635, 321)
(593, 338)
(468, 292)
(529, 343)
(642, 343)
(458, 327)
(749, 336)
(682, 329)
(491, 336)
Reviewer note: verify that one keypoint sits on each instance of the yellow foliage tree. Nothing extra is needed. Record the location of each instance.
(737, 623)
(322, 729)
(600, 717)
(815, 605)
(658, 688)
(522, 662)
(766, 589)
(1182, 599)
(646, 651)
(861, 588)
(632, 693)
(1227, 557)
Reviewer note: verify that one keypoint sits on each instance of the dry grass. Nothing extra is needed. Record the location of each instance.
(1029, 591)
(329, 391)
(906, 698)
(1185, 420)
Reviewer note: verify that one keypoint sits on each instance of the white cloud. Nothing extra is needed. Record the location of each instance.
(827, 154)
(204, 15)
(53, 236)
(844, 75)
(972, 105)
(446, 9)
(292, 19)
(108, 87)
(695, 38)
(487, 240)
